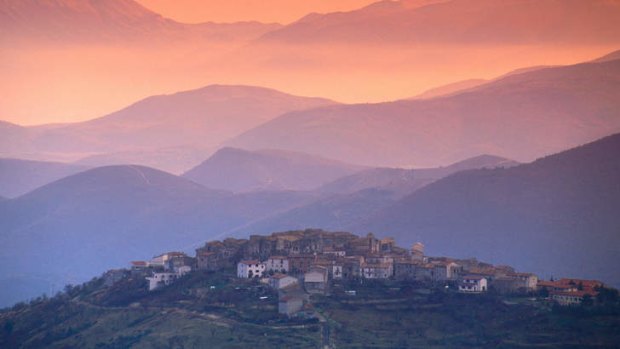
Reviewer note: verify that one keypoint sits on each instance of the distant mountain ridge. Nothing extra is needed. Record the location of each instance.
(88, 21)
(176, 131)
(460, 21)
(18, 177)
(241, 170)
(554, 215)
(509, 117)
(353, 198)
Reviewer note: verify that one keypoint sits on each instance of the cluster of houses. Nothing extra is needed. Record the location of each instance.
(299, 263)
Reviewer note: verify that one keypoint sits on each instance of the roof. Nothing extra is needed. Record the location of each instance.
(280, 276)
(139, 263)
(473, 277)
(278, 257)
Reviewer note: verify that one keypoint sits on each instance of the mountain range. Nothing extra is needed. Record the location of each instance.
(105, 217)
(554, 216)
(352, 198)
(172, 132)
(510, 117)
(93, 21)
(460, 21)
(242, 171)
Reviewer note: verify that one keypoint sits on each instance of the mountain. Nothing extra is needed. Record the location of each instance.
(510, 117)
(555, 216)
(92, 21)
(403, 181)
(18, 177)
(460, 22)
(241, 170)
(197, 120)
(103, 218)
(351, 199)
(448, 89)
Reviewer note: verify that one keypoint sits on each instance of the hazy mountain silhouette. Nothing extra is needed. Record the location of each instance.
(511, 117)
(18, 177)
(452, 88)
(165, 127)
(241, 170)
(92, 21)
(105, 217)
(460, 22)
(353, 198)
(555, 216)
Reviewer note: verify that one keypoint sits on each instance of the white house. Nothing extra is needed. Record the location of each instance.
(473, 284)
(279, 281)
(250, 269)
(277, 264)
(161, 279)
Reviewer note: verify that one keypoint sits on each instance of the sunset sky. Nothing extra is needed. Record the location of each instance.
(281, 11)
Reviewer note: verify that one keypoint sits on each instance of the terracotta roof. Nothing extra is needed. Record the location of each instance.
(139, 263)
(279, 276)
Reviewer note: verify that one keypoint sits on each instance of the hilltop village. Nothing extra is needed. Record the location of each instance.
(300, 263)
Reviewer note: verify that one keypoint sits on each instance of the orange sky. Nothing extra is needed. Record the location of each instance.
(281, 11)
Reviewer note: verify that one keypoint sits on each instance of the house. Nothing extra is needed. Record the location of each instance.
(250, 269)
(570, 297)
(330, 251)
(290, 304)
(139, 265)
(417, 251)
(206, 260)
(376, 271)
(445, 270)
(527, 281)
(315, 280)
(299, 264)
(473, 284)
(279, 281)
(161, 279)
(176, 262)
(162, 259)
(277, 264)
(405, 270)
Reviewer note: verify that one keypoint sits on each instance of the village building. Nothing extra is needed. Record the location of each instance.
(473, 284)
(377, 270)
(405, 270)
(316, 280)
(277, 264)
(299, 264)
(250, 269)
(445, 270)
(279, 281)
(158, 280)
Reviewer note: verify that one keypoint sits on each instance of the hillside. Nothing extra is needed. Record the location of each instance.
(509, 117)
(218, 310)
(111, 21)
(172, 129)
(351, 199)
(18, 177)
(548, 216)
(241, 171)
(105, 217)
(460, 21)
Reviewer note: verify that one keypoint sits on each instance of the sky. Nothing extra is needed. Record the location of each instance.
(280, 11)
